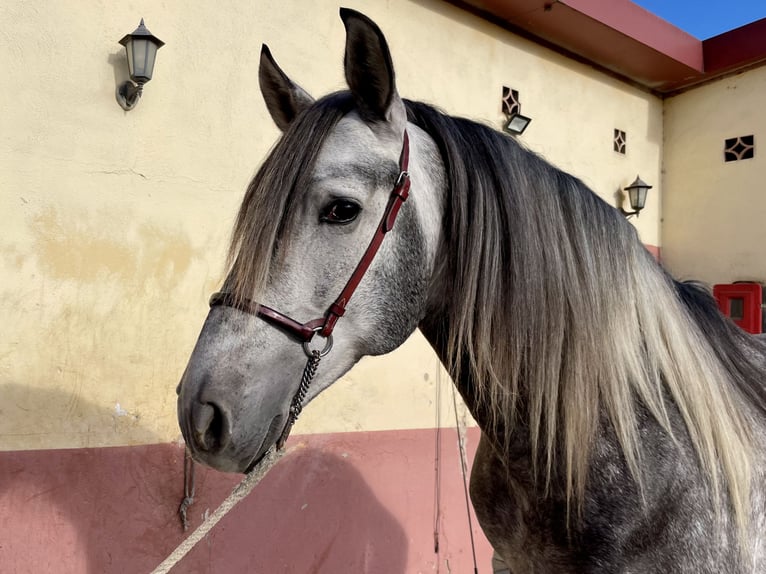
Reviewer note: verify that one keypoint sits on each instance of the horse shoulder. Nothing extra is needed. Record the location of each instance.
(508, 510)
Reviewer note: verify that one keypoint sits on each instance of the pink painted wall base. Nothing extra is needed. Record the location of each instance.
(343, 503)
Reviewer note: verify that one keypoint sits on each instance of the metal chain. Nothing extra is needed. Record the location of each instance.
(308, 375)
(297, 405)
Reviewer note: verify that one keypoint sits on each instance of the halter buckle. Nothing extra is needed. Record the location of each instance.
(403, 177)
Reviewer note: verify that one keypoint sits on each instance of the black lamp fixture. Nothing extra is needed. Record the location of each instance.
(515, 123)
(141, 47)
(637, 195)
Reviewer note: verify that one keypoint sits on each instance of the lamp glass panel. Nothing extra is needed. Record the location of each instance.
(144, 54)
(151, 54)
(641, 197)
(129, 51)
(139, 58)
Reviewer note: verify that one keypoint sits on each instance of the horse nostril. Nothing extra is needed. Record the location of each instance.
(210, 426)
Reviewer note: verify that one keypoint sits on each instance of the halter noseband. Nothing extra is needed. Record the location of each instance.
(304, 332)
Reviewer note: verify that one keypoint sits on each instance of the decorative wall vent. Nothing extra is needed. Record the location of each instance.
(735, 149)
(515, 123)
(511, 103)
(620, 141)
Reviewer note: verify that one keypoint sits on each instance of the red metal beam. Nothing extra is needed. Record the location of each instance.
(626, 39)
(735, 49)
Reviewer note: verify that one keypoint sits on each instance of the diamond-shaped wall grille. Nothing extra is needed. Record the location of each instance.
(735, 149)
(620, 141)
(511, 103)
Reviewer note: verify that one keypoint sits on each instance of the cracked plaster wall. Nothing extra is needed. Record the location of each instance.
(713, 211)
(113, 224)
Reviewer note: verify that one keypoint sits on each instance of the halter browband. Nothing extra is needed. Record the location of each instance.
(304, 332)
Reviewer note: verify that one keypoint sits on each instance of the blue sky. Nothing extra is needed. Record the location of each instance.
(706, 18)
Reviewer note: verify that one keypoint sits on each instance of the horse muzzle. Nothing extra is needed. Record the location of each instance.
(208, 429)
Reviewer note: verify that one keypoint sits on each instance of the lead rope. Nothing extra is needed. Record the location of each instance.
(238, 493)
(248, 483)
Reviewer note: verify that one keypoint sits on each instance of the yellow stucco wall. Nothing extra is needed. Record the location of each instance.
(714, 211)
(114, 224)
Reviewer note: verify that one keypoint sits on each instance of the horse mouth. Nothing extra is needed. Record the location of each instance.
(231, 461)
(271, 436)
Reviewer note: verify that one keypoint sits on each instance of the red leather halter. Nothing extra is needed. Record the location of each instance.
(304, 332)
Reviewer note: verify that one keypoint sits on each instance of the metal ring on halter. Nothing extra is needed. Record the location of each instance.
(327, 346)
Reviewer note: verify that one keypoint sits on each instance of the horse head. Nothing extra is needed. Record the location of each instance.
(319, 199)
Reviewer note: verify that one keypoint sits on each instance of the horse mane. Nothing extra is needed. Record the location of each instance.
(738, 351)
(563, 313)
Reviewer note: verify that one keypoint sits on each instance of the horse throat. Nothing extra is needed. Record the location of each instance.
(435, 329)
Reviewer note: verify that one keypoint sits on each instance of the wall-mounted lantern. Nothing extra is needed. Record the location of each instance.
(141, 47)
(515, 123)
(637, 196)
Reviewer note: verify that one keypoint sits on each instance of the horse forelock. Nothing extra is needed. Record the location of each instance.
(275, 193)
(562, 314)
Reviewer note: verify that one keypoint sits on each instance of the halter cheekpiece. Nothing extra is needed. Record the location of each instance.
(304, 332)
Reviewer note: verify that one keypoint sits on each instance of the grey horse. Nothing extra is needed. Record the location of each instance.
(623, 418)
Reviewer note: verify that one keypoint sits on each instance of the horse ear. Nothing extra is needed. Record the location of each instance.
(284, 99)
(369, 69)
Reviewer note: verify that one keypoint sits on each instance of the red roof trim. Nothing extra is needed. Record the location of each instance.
(645, 27)
(735, 49)
(626, 39)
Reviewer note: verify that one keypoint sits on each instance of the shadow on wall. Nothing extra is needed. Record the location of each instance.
(105, 510)
(312, 513)
(119, 63)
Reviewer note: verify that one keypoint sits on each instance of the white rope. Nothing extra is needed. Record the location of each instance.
(240, 491)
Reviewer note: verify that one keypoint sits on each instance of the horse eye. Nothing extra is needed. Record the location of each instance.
(340, 211)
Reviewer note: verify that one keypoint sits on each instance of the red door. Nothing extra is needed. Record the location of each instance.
(741, 302)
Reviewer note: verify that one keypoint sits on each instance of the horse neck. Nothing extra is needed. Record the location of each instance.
(434, 328)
